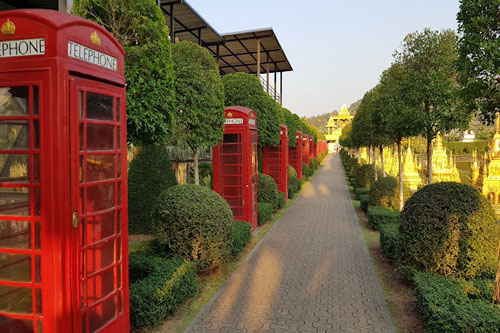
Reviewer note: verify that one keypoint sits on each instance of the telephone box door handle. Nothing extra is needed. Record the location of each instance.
(74, 220)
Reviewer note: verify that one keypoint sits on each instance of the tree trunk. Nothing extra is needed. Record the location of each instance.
(374, 150)
(400, 176)
(429, 160)
(496, 294)
(358, 155)
(196, 167)
(382, 166)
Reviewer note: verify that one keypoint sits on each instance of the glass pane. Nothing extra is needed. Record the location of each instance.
(39, 325)
(119, 193)
(15, 300)
(100, 137)
(38, 295)
(38, 268)
(119, 166)
(118, 138)
(36, 131)
(80, 104)
(118, 249)
(100, 167)
(82, 137)
(102, 314)
(100, 256)
(118, 110)
(100, 197)
(99, 107)
(36, 101)
(14, 168)
(99, 227)
(37, 202)
(14, 201)
(15, 234)
(38, 239)
(119, 277)
(14, 134)
(36, 168)
(100, 286)
(15, 267)
(16, 325)
(14, 101)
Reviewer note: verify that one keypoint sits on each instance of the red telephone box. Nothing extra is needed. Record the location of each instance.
(63, 176)
(275, 161)
(295, 154)
(305, 149)
(312, 150)
(235, 164)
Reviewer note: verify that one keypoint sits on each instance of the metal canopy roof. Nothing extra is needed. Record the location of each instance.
(188, 23)
(240, 49)
(236, 52)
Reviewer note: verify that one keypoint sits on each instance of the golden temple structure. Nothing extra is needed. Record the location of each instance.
(411, 177)
(490, 173)
(334, 128)
(443, 166)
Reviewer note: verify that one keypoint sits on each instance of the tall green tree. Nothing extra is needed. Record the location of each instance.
(199, 99)
(246, 90)
(479, 56)
(139, 26)
(430, 84)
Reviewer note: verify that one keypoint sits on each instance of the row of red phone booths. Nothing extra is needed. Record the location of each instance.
(235, 161)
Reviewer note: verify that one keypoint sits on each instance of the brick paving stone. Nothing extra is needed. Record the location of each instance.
(311, 272)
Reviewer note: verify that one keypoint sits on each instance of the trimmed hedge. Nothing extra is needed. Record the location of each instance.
(365, 176)
(264, 212)
(294, 183)
(364, 201)
(267, 190)
(169, 283)
(445, 307)
(195, 223)
(460, 148)
(281, 200)
(149, 174)
(241, 236)
(385, 193)
(306, 172)
(358, 192)
(379, 216)
(389, 236)
(450, 229)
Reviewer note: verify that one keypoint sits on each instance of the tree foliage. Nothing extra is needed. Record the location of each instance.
(479, 55)
(292, 121)
(245, 90)
(139, 26)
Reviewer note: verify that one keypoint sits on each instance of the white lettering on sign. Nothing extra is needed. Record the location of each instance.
(19, 48)
(251, 121)
(234, 121)
(92, 56)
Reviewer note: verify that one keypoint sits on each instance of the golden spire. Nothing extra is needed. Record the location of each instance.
(497, 123)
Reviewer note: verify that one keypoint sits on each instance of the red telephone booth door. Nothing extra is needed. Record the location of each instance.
(254, 174)
(98, 172)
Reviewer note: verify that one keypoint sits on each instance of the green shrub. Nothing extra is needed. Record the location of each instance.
(306, 172)
(365, 176)
(389, 236)
(294, 183)
(149, 174)
(264, 212)
(281, 200)
(379, 216)
(154, 297)
(358, 192)
(267, 190)
(385, 193)
(241, 236)
(461, 148)
(141, 264)
(445, 307)
(449, 228)
(364, 201)
(195, 223)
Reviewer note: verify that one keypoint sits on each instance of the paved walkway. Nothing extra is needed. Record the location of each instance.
(311, 273)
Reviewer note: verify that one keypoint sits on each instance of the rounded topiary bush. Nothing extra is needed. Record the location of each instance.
(306, 171)
(194, 222)
(149, 174)
(267, 190)
(294, 182)
(450, 229)
(385, 193)
(365, 176)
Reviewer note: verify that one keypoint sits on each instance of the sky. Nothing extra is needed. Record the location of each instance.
(338, 49)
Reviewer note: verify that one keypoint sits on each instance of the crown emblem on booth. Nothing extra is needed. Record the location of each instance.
(8, 28)
(229, 115)
(95, 39)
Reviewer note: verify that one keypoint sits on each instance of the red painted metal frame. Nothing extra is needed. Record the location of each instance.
(235, 165)
(312, 149)
(52, 74)
(295, 154)
(275, 161)
(305, 149)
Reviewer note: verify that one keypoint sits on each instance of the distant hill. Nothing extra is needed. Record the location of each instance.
(320, 121)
